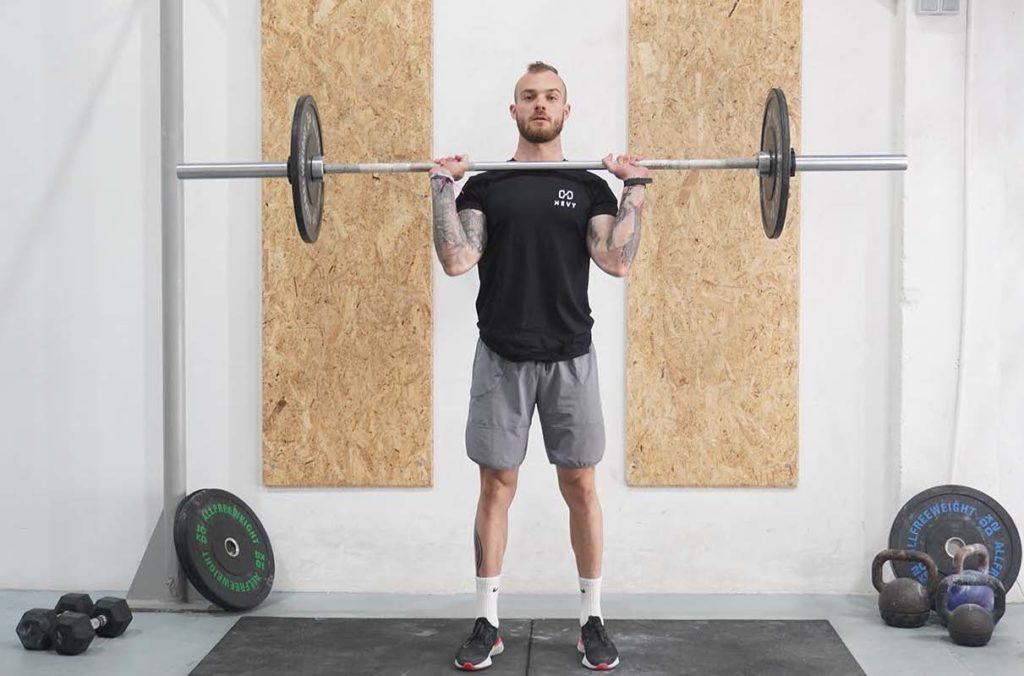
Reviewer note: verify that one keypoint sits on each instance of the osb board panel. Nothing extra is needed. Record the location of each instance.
(347, 365)
(712, 337)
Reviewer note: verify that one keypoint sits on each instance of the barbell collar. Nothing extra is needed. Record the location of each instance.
(317, 168)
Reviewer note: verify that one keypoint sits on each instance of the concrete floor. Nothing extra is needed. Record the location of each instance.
(159, 644)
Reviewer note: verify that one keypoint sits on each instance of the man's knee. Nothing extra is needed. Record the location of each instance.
(577, 486)
(498, 486)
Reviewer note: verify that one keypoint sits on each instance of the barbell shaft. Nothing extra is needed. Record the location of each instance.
(729, 163)
(803, 163)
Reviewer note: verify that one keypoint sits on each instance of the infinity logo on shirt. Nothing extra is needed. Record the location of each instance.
(565, 199)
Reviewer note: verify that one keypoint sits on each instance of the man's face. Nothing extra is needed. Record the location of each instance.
(540, 109)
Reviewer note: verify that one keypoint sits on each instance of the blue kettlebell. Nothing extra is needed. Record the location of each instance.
(978, 605)
(977, 594)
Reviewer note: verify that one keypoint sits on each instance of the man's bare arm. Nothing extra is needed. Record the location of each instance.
(614, 240)
(459, 236)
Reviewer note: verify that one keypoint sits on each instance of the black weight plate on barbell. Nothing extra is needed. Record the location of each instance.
(933, 517)
(307, 191)
(775, 184)
(224, 549)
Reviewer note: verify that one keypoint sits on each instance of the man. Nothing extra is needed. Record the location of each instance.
(533, 234)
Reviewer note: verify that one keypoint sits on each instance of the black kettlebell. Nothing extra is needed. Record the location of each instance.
(970, 624)
(904, 602)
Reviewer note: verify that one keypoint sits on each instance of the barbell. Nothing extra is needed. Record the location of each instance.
(776, 162)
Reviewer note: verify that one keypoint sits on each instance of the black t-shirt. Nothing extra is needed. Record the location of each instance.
(534, 272)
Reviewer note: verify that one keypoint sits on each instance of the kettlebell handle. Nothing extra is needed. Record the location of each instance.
(970, 579)
(909, 555)
(968, 551)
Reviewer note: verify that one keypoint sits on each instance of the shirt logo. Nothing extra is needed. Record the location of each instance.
(565, 199)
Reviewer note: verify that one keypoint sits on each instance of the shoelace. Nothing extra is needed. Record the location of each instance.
(478, 635)
(602, 635)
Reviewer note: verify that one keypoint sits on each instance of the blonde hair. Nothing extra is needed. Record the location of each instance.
(541, 67)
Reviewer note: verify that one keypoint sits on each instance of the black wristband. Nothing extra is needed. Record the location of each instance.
(636, 181)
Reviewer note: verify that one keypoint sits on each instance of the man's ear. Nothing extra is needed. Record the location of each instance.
(565, 115)
(512, 110)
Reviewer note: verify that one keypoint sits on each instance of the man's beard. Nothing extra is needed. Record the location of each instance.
(542, 135)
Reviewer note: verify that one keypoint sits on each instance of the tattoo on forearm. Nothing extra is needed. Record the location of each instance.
(447, 228)
(632, 244)
(629, 212)
(453, 229)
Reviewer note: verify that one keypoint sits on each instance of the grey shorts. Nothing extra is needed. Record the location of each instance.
(501, 402)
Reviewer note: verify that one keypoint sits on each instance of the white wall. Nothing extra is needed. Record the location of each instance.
(80, 290)
(959, 367)
(932, 275)
(963, 374)
(989, 442)
(80, 334)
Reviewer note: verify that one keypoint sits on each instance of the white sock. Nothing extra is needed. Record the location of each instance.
(590, 599)
(487, 598)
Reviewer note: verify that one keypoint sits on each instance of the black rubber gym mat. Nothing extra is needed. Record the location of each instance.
(293, 646)
(301, 646)
(705, 647)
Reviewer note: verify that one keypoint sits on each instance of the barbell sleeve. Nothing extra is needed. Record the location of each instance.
(233, 170)
(851, 162)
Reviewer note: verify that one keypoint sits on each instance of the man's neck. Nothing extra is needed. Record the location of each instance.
(539, 152)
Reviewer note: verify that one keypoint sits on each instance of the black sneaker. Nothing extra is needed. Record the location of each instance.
(475, 653)
(599, 652)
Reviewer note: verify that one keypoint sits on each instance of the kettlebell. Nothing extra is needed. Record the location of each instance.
(980, 595)
(968, 616)
(904, 602)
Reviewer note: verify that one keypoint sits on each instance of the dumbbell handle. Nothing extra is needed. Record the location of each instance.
(96, 622)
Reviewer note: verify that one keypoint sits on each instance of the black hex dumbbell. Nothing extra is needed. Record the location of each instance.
(80, 603)
(37, 627)
(75, 631)
(35, 630)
